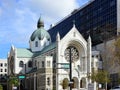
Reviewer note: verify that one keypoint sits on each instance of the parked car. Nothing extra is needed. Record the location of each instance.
(116, 88)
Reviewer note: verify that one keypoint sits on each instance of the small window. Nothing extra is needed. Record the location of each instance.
(38, 65)
(35, 63)
(5, 64)
(21, 64)
(48, 63)
(30, 64)
(5, 70)
(48, 81)
(43, 64)
(74, 34)
(44, 44)
(1, 64)
(1, 70)
(36, 44)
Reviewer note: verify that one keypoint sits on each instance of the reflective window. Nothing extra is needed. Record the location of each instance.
(5, 64)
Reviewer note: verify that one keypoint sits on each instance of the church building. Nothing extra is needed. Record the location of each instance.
(60, 65)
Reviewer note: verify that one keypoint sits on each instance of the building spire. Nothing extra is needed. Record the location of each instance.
(40, 23)
(58, 37)
(73, 23)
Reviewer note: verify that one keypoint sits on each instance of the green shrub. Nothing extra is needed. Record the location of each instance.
(1, 87)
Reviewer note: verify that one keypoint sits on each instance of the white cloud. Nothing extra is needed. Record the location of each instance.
(56, 8)
(52, 10)
(19, 19)
(26, 13)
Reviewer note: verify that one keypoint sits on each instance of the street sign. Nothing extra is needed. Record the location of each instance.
(65, 66)
(21, 77)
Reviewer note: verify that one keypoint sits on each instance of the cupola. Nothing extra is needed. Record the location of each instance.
(40, 37)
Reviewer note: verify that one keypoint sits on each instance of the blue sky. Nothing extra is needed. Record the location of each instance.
(18, 19)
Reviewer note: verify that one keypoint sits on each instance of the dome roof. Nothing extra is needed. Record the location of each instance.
(40, 33)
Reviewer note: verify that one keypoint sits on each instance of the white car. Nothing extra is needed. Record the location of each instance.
(116, 88)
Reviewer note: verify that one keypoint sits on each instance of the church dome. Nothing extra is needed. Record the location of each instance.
(40, 32)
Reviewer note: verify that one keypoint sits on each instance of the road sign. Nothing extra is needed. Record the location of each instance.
(65, 66)
(21, 77)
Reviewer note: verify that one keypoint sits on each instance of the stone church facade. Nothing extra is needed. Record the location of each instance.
(51, 65)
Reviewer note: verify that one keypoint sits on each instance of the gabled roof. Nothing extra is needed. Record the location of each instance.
(27, 53)
(46, 49)
(24, 52)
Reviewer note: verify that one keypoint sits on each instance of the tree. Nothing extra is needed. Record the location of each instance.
(13, 81)
(1, 87)
(100, 76)
(117, 50)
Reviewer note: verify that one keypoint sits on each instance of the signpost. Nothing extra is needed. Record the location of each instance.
(21, 77)
(64, 66)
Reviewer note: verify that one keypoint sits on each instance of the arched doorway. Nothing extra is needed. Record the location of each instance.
(83, 83)
(65, 83)
(75, 83)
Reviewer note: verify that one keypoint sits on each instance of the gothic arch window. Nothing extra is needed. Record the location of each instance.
(21, 63)
(30, 64)
(36, 44)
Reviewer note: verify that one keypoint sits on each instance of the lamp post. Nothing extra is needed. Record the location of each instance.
(70, 68)
(25, 74)
(71, 54)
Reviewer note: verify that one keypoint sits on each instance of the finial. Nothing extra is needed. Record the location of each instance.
(58, 37)
(73, 23)
(40, 22)
(89, 38)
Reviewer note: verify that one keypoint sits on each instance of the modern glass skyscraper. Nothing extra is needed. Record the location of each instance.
(98, 18)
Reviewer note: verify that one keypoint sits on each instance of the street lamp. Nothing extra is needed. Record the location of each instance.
(71, 54)
(22, 64)
(25, 74)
